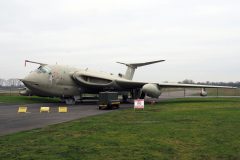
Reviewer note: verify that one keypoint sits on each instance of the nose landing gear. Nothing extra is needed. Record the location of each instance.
(69, 101)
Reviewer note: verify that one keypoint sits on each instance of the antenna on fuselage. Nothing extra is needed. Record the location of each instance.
(41, 64)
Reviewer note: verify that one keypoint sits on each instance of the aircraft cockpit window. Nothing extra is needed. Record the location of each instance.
(44, 69)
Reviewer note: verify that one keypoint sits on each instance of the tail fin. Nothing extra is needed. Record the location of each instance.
(131, 68)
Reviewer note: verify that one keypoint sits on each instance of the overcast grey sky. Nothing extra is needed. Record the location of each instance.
(199, 39)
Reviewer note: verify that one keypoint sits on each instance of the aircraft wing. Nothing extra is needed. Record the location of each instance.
(134, 84)
(128, 84)
(179, 85)
(99, 81)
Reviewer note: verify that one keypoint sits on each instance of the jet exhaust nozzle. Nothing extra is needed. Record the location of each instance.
(203, 92)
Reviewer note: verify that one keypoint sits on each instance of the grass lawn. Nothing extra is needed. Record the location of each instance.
(199, 128)
(26, 100)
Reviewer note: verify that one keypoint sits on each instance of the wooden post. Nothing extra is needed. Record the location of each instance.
(184, 92)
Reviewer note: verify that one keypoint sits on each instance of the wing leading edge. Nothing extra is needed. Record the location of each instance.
(134, 84)
(177, 85)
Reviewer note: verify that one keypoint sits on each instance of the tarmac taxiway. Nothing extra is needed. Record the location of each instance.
(11, 121)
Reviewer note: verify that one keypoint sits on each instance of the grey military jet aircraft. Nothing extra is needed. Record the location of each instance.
(70, 83)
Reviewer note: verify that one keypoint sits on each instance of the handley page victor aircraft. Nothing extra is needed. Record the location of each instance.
(70, 83)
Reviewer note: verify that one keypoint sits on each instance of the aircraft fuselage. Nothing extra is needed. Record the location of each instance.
(58, 81)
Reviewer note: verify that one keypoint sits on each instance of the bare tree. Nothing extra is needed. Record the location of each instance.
(14, 82)
(3, 82)
(188, 81)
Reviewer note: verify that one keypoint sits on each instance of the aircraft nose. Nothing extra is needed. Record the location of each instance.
(29, 80)
(25, 80)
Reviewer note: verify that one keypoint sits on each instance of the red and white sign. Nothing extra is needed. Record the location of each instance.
(139, 104)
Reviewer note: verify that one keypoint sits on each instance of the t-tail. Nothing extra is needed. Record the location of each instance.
(133, 66)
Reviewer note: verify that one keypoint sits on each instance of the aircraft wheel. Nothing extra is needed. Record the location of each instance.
(70, 101)
(117, 107)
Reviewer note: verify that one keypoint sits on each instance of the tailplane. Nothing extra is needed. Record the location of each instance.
(133, 66)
